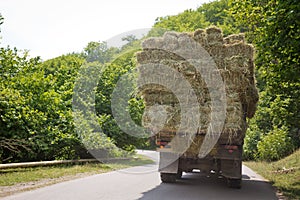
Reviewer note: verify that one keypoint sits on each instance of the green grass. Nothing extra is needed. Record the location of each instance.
(283, 174)
(10, 177)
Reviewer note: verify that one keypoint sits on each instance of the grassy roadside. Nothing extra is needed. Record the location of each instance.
(283, 174)
(13, 179)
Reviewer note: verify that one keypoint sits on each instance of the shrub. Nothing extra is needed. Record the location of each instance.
(251, 140)
(275, 145)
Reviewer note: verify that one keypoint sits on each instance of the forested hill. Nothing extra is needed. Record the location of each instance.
(36, 121)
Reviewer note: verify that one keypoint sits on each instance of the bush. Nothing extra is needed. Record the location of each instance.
(275, 145)
(250, 144)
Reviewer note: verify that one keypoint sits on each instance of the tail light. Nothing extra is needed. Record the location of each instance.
(161, 144)
(231, 148)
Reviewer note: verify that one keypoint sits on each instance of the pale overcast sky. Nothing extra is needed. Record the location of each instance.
(50, 28)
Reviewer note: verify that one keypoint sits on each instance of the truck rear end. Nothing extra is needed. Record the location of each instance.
(199, 89)
(223, 160)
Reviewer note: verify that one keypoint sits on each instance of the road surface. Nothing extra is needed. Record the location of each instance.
(143, 183)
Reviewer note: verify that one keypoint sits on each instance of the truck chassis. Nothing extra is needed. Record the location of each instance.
(226, 162)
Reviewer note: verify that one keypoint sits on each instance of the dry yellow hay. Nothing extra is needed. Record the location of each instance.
(234, 60)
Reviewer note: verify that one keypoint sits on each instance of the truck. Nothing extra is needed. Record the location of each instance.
(182, 149)
(223, 160)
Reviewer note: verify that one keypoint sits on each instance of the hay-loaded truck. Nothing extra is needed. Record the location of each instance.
(198, 89)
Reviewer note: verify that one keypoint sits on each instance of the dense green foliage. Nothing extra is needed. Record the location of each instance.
(213, 13)
(189, 20)
(273, 26)
(122, 61)
(274, 145)
(35, 100)
(106, 85)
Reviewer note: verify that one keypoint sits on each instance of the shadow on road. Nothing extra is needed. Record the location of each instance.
(198, 186)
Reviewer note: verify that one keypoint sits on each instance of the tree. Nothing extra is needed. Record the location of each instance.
(20, 115)
(212, 13)
(217, 13)
(99, 51)
(35, 107)
(107, 83)
(129, 38)
(131, 43)
(274, 28)
(189, 20)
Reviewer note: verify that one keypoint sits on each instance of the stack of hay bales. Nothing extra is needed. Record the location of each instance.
(234, 61)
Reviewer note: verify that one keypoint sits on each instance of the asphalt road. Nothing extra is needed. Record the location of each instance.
(143, 183)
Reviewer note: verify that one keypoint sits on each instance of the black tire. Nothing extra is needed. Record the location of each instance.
(179, 174)
(234, 183)
(168, 178)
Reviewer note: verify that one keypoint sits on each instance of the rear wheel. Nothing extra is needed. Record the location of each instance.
(168, 178)
(234, 183)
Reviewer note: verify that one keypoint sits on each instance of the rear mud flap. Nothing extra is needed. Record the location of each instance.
(231, 169)
(168, 162)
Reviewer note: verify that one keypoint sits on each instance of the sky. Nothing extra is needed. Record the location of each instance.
(50, 28)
